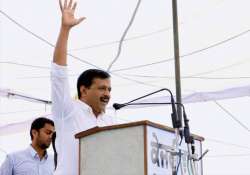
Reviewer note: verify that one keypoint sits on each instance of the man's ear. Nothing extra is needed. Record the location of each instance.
(34, 133)
(83, 91)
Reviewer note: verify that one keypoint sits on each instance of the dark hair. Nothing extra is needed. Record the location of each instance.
(87, 77)
(39, 123)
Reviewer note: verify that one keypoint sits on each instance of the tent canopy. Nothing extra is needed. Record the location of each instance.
(214, 49)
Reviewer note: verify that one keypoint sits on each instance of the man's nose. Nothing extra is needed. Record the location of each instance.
(107, 92)
(50, 136)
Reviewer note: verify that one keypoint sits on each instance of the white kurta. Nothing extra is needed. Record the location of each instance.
(70, 117)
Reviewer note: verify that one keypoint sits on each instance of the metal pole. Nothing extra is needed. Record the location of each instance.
(177, 70)
(177, 59)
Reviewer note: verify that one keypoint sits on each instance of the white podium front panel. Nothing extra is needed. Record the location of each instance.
(159, 153)
(113, 152)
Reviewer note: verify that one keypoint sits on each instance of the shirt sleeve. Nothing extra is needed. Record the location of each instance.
(7, 166)
(62, 103)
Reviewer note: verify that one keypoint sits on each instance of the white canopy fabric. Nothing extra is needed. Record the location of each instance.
(230, 93)
(214, 42)
(195, 97)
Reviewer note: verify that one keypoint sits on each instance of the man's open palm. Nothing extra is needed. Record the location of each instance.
(68, 10)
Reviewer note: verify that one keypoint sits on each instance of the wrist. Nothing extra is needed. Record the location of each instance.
(65, 29)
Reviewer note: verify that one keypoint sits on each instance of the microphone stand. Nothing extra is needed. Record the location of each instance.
(175, 119)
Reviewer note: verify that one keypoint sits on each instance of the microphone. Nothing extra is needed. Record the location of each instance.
(188, 138)
(175, 119)
(118, 106)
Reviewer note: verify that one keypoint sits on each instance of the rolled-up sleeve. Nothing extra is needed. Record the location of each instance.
(62, 103)
(7, 166)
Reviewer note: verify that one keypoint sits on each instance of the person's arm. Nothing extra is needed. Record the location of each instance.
(7, 166)
(68, 21)
(60, 92)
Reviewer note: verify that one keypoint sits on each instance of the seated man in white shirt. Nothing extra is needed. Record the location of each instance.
(73, 116)
(34, 160)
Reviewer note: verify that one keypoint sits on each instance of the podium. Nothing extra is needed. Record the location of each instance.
(137, 148)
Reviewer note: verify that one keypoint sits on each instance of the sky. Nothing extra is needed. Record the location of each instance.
(214, 48)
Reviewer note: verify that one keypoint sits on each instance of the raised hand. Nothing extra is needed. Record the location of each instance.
(68, 21)
(68, 10)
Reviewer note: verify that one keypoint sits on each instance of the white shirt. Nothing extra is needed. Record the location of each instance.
(27, 162)
(70, 117)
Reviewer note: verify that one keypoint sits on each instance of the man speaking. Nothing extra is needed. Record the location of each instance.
(73, 116)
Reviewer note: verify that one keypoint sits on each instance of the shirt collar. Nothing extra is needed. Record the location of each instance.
(34, 154)
(86, 107)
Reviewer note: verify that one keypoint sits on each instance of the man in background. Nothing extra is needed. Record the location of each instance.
(34, 160)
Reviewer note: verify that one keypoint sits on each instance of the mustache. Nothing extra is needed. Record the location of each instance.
(104, 98)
